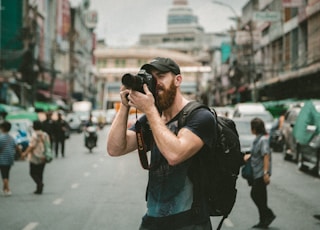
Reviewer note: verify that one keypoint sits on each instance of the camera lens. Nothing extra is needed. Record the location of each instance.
(128, 80)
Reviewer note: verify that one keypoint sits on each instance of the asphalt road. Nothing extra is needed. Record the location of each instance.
(92, 191)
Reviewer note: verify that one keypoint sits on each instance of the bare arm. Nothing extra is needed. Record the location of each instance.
(121, 141)
(175, 149)
(266, 176)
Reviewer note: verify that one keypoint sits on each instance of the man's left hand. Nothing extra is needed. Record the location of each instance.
(141, 101)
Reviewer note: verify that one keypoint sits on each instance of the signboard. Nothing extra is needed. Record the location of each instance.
(244, 37)
(266, 16)
(291, 3)
(91, 19)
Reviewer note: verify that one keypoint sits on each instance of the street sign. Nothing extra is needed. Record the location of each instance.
(266, 16)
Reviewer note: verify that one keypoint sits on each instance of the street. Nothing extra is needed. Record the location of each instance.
(93, 191)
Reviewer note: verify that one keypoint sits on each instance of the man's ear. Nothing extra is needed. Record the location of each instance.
(178, 80)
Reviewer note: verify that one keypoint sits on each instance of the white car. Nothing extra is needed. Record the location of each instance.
(74, 122)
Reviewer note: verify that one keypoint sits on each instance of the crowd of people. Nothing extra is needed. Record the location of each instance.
(54, 130)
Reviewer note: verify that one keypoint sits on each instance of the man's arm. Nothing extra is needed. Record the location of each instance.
(120, 140)
(175, 149)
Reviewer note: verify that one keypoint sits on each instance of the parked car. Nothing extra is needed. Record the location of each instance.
(245, 136)
(309, 154)
(248, 107)
(226, 111)
(290, 146)
(264, 115)
(74, 122)
(110, 114)
(21, 131)
(276, 137)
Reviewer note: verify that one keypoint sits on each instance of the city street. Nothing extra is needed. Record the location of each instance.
(93, 191)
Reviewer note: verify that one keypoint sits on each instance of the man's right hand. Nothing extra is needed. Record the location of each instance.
(124, 92)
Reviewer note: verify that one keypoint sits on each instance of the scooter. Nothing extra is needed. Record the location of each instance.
(91, 137)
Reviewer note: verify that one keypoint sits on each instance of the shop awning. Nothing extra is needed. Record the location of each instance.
(44, 106)
(46, 94)
(22, 115)
(231, 91)
(9, 108)
(61, 88)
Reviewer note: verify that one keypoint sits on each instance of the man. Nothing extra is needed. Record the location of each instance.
(59, 133)
(170, 192)
(8, 149)
(48, 126)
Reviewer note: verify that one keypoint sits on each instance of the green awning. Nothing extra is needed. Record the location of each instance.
(44, 106)
(9, 108)
(22, 115)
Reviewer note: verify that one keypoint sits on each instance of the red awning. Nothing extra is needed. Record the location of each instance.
(231, 91)
(46, 94)
(242, 88)
(61, 88)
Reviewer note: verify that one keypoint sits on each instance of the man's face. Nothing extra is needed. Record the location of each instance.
(166, 91)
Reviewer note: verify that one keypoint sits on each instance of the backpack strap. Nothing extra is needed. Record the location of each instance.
(187, 110)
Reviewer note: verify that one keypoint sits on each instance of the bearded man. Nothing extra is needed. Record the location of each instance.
(171, 187)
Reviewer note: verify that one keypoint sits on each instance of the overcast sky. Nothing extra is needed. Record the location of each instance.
(122, 21)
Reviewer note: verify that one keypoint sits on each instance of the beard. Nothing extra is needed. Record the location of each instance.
(166, 99)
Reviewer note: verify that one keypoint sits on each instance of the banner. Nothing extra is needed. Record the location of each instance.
(291, 3)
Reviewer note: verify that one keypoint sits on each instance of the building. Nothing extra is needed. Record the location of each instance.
(280, 57)
(36, 50)
(113, 63)
(185, 40)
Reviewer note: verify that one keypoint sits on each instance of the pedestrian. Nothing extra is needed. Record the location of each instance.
(48, 125)
(59, 133)
(36, 157)
(261, 166)
(171, 188)
(8, 150)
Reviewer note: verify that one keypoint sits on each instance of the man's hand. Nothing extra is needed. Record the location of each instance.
(124, 92)
(141, 101)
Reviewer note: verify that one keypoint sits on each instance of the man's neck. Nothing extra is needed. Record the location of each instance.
(176, 107)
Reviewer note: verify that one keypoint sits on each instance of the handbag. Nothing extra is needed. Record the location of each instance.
(247, 172)
(47, 149)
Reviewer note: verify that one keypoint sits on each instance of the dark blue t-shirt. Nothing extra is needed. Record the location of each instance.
(170, 190)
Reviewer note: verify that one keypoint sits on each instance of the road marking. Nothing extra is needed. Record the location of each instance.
(75, 185)
(86, 174)
(227, 222)
(31, 225)
(57, 201)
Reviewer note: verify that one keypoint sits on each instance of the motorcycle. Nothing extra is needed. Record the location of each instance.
(91, 137)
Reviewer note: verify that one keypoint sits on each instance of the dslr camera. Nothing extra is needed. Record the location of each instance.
(135, 82)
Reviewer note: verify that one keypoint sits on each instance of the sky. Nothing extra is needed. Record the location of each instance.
(120, 22)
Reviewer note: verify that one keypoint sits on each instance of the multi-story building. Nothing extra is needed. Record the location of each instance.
(284, 61)
(113, 63)
(185, 40)
(35, 49)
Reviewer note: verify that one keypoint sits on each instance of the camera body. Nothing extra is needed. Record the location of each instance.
(135, 82)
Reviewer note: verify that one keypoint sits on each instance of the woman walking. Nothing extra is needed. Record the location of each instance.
(36, 157)
(7, 154)
(261, 165)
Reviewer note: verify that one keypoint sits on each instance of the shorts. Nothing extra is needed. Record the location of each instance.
(5, 169)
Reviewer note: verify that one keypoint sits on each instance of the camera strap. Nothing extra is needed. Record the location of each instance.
(142, 148)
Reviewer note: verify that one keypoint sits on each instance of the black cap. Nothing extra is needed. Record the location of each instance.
(162, 64)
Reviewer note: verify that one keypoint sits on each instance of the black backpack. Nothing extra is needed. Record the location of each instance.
(221, 166)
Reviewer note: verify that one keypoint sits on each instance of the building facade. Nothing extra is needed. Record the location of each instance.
(281, 56)
(35, 50)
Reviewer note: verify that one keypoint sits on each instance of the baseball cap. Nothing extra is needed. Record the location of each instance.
(162, 64)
